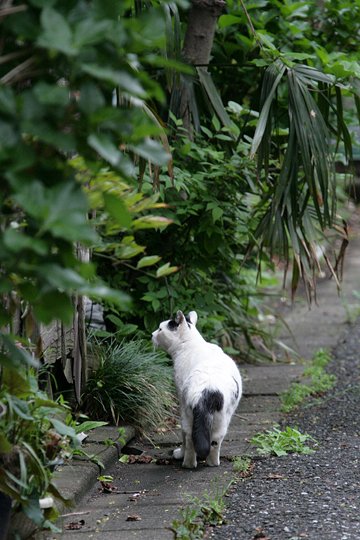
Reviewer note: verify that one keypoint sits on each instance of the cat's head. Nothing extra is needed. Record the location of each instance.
(175, 331)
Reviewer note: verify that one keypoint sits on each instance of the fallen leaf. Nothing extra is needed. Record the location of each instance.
(139, 459)
(75, 525)
(107, 487)
(163, 461)
(133, 517)
(275, 476)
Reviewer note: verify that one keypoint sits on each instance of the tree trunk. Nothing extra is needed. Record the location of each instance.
(198, 42)
(200, 31)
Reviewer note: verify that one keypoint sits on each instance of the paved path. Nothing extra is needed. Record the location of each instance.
(150, 495)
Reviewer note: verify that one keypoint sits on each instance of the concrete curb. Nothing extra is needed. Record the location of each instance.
(75, 478)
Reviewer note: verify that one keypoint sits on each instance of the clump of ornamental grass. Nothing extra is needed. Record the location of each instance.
(132, 384)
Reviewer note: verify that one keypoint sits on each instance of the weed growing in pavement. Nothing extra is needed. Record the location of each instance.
(320, 382)
(279, 443)
(199, 514)
(241, 464)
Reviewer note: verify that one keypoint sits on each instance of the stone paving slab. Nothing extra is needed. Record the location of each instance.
(269, 379)
(258, 404)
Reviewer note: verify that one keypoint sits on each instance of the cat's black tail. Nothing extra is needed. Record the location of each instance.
(210, 402)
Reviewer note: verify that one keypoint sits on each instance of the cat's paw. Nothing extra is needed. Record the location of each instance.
(178, 453)
(212, 462)
(189, 464)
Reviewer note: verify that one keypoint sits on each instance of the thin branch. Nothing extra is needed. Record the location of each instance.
(18, 72)
(11, 56)
(4, 12)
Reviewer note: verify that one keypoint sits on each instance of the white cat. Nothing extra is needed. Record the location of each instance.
(209, 387)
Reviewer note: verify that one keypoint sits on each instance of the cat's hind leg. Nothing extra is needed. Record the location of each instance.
(213, 459)
(178, 453)
(219, 429)
(189, 461)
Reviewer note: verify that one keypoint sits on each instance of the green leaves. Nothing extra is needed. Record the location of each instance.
(280, 443)
(122, 79)
(117, 209)
(148, 261)
(304, 183)
(56, 34)
(50, 205)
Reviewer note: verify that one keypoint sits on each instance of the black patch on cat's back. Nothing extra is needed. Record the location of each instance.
(213, 400)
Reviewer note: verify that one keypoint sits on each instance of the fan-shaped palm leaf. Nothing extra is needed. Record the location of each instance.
(299, 204)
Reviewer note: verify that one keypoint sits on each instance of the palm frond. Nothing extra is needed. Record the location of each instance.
(300, 200)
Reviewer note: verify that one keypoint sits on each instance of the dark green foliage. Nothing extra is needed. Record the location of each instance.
(61, 64)
(33, 438)
(207, 243)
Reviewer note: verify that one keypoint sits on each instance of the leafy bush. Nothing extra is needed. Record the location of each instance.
(130, 384)
(207, 243)
(33, 437)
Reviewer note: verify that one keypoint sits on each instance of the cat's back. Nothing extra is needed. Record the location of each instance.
(210, 361)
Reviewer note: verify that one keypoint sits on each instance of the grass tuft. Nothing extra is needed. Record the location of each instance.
(320, 382)
(132, 384)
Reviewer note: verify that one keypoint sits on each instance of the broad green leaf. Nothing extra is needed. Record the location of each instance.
(152, 151)
(151, 222)
(9, 137)
(165, 270)
(117, 78)
(54, 305)
(88, 425)
(16, 241)
(100, 291)
(148, 261)
(52, 204)
(229, 20)
(7, 100)
(217, 213)
(128, 248)
(91, 98)
(90, 31)
(51, 94)
(105, 147)
(62, 428)
(57, 34)
(117, 209)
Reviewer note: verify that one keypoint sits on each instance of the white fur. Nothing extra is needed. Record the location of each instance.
(199, 366)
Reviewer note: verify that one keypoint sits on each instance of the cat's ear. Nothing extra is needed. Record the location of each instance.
(193, 317)
(179, 317)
